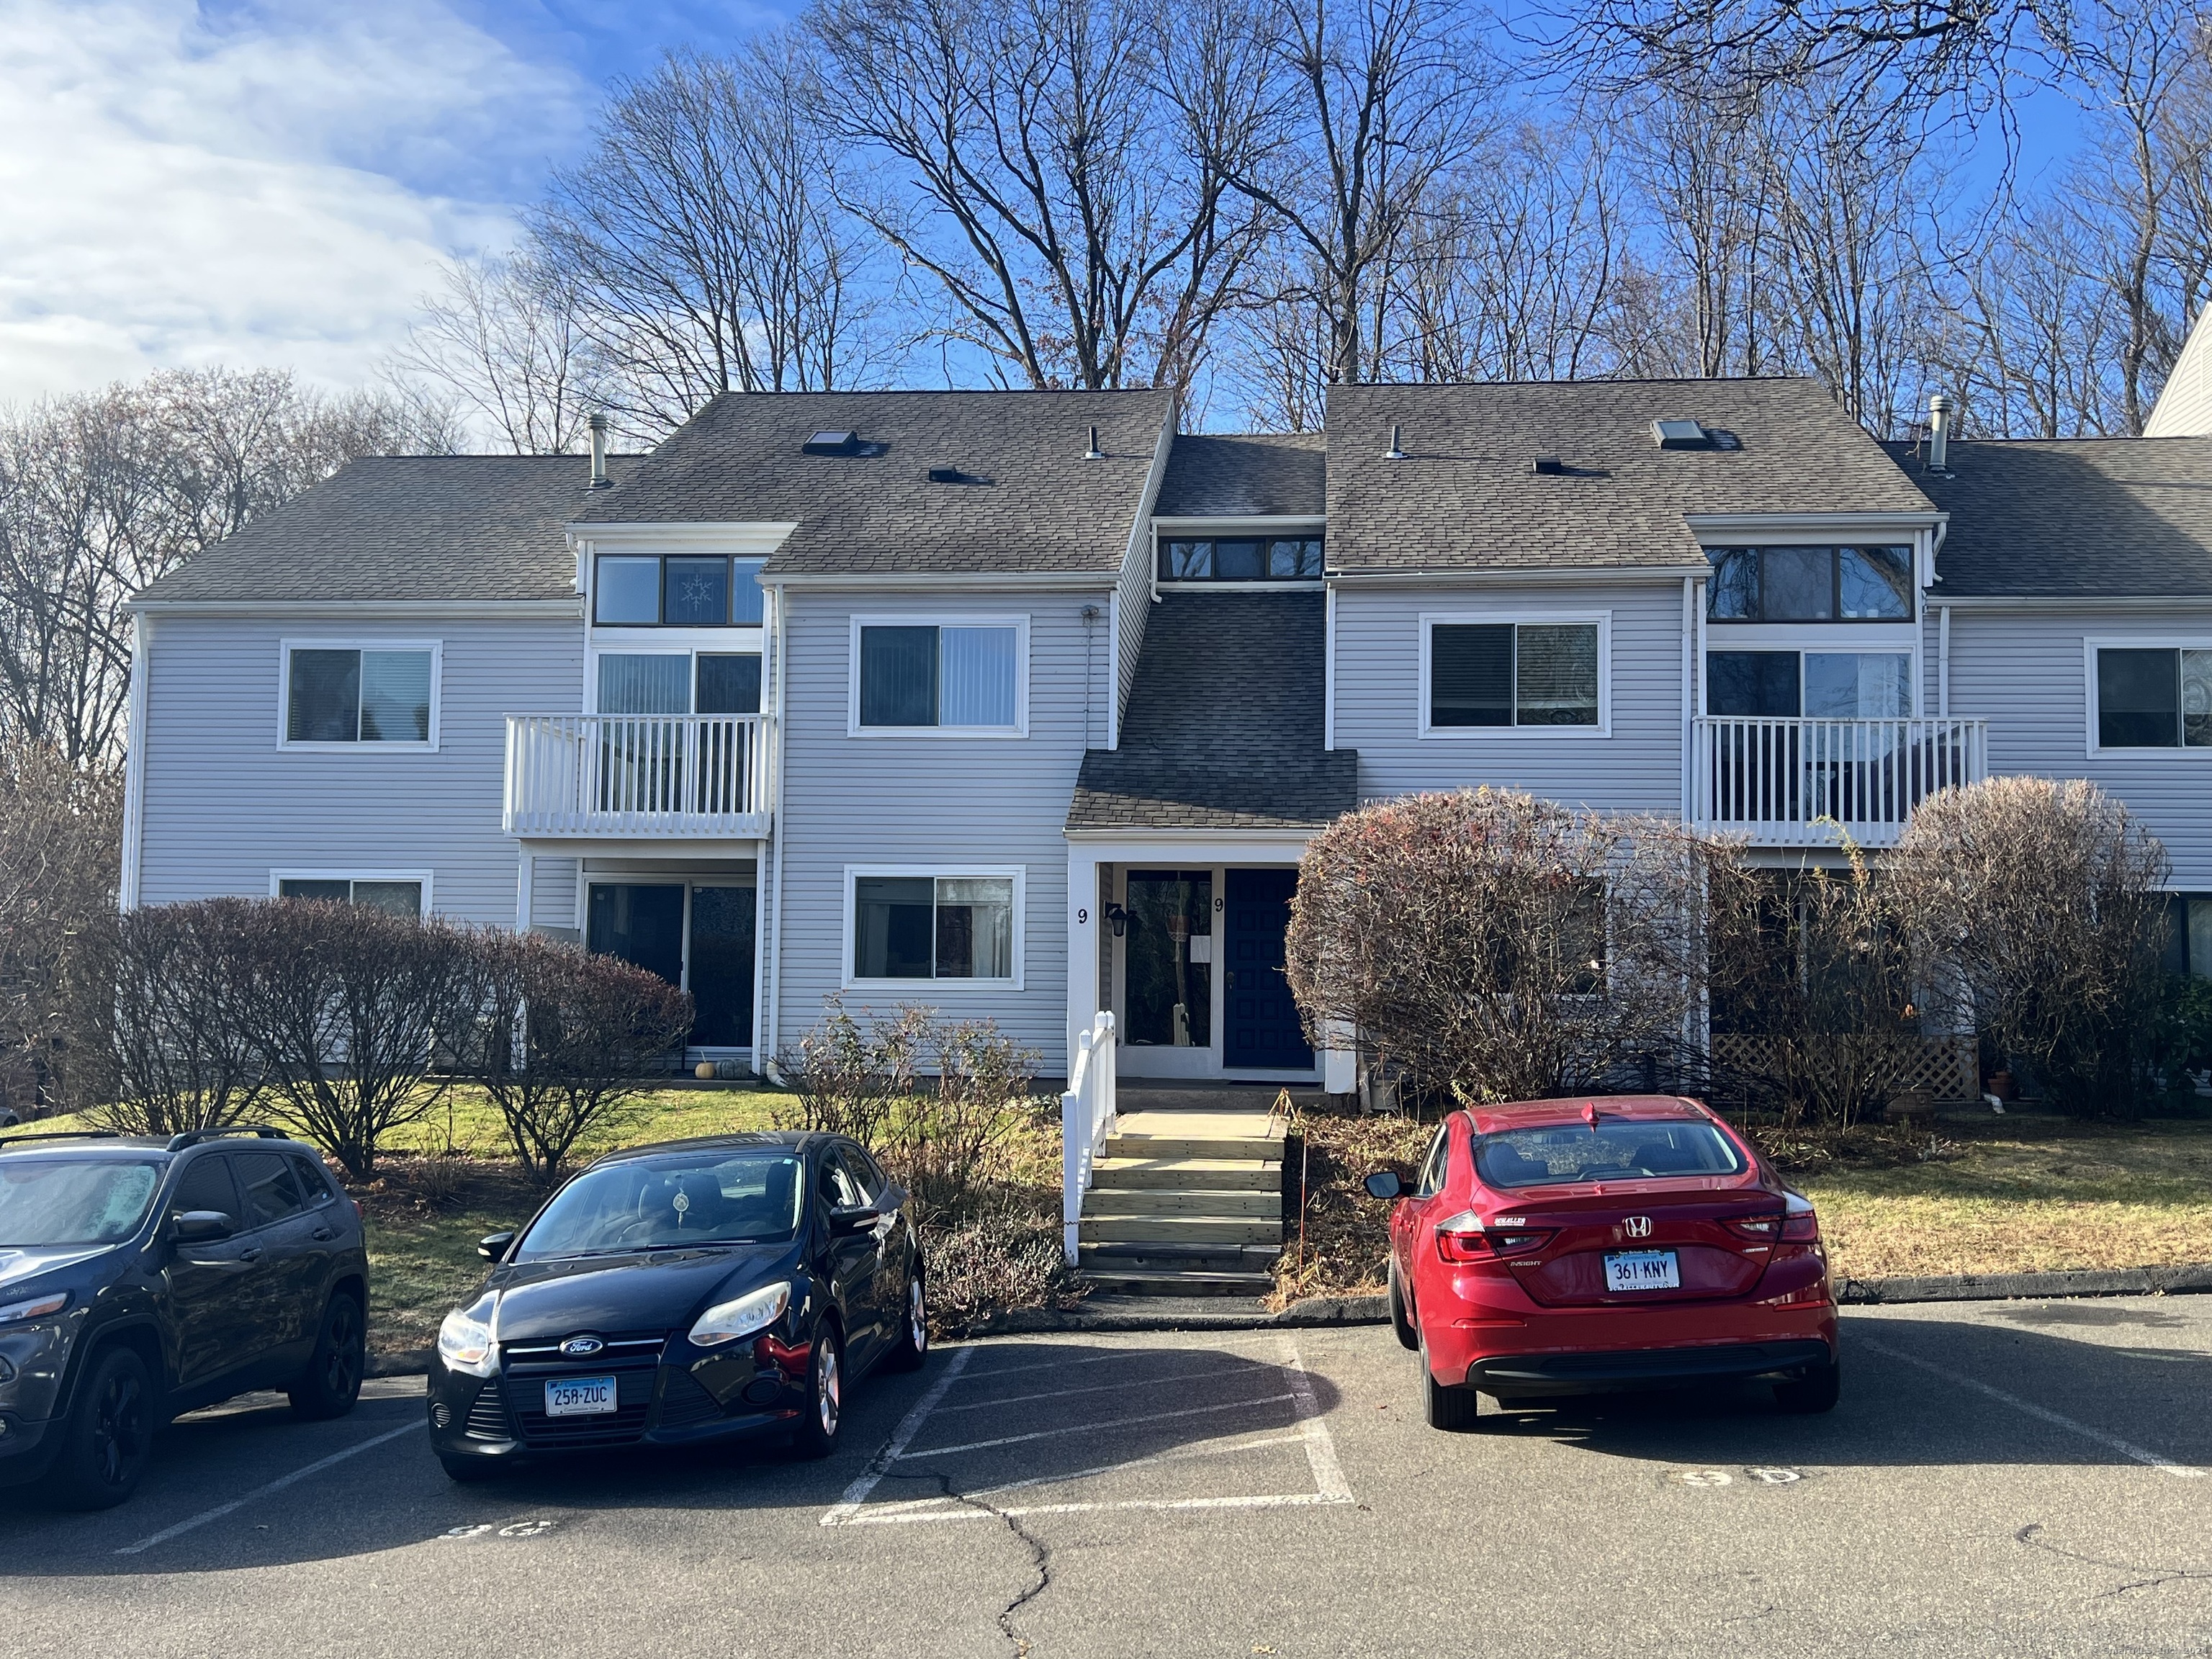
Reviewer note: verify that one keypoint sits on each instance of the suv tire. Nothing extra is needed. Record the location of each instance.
(108, 1435)
(331, 1382)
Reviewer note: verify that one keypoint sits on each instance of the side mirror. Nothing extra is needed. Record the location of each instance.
(201, 1227)
(856, 1219)
(892, 1199)
(1384, 1184)
(492, 1246)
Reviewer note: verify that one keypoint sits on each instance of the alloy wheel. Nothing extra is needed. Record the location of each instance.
(827, 1381)
(118, 1429)
(343, 1360)
(917, 1318)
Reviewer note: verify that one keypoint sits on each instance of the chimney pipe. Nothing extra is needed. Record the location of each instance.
(1094, 453)
(1394, 454)
(599, 425)
(1939, 433)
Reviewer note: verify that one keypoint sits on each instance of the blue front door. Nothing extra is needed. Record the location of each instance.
(1262, 1030)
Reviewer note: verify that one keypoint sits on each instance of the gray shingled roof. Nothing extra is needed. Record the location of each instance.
(420, 528)
(2074, 518)
(1464, 496)
(1224, 725)
(1029, 501)
(1259, 474)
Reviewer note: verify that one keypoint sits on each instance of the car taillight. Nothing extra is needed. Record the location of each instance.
(1800, 1224)
(1464, 1238)
(1767, 1227)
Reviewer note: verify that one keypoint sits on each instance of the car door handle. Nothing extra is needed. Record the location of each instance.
(253, 1255)
(323, 1234)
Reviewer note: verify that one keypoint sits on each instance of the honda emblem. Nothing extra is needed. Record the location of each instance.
(1636, 1226)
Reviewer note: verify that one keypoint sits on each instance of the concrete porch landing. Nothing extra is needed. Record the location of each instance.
(1188, 1198)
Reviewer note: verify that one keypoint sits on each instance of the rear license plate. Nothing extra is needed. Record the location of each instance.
(1642, 1270)
(580, 1397)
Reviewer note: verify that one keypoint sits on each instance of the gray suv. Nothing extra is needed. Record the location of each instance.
(144, 1277)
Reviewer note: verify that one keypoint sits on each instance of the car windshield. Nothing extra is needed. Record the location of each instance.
(50, 1202)
(1561, 1154)
(705, 1197)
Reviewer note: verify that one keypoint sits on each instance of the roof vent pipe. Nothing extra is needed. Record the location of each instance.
(599, 425)
(1094, 453)
(1939, 433)
(1394, 454)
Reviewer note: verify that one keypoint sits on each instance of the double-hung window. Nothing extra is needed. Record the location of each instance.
(1546, 672)
(2153, 697)
(923, 926)
(360, 694)
(964, 677)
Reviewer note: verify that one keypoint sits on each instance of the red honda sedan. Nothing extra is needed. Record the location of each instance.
(1560, 1246)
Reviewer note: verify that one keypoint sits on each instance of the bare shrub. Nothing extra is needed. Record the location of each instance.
(940, 1140)
(345, 1002)
(1500, 947)
(997, 1259)
(850, 1075)
(2038, 911)
(559, 1039)
(162, 1029)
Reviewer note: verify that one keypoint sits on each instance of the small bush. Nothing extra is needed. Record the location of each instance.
(940, 1140)
(994, 1260)
(848, 1076)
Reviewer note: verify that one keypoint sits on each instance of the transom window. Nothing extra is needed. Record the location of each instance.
(1810, 584)
(402, 898)
(679, 683)
(2154, 697)
(1241, 559)
(953, 677)
(1819, 684)
(1530, 673)
(679, 591)
(933, 927)
(345, 694)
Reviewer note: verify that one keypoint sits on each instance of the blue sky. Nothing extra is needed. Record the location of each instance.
(258, 182)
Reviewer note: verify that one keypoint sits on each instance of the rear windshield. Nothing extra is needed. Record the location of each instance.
(1565, 1153)
(712, 1199)
(54, 1201)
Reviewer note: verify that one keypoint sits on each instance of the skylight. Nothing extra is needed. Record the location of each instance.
(832, 443)
(1681, 434)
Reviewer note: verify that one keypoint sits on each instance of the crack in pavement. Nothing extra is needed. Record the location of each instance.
(2031, 1536)
(1039, 1554)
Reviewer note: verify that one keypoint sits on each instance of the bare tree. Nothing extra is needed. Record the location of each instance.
(1051, 166)
(502, 340)
(703, 237)
(2039, 914)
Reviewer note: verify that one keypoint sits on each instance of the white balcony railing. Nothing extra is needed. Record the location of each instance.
(1773, 780)
(701, 775)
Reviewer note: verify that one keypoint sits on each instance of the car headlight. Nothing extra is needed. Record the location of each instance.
(39, 1307)
(754, 1312)
(465, 1345)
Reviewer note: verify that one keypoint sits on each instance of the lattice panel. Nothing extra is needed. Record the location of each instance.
(1947, 1067)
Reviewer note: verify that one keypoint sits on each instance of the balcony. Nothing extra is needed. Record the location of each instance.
(1774, 781)
(666, 776)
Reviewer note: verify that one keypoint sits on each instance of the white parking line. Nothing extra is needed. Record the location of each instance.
(2164, 1465)
(1107, 1388)
(259, 1492)
(895, 1447)
(1320, 1445)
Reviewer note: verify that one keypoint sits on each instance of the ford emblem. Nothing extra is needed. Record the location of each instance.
(580, 1347)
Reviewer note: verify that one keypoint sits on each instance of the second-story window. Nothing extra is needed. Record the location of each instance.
(964, 676)
(1810, 584)
(358, 695)
(2153, 698)
(1530, 673)
(679, 591)
(1241, 559)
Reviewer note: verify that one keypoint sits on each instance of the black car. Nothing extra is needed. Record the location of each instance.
(698, 1290)
(142, 1276)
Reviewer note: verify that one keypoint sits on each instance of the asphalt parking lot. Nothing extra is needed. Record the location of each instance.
(2002, 1478)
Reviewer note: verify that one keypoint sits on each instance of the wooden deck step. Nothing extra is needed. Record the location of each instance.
(1178, 1282)
(1258, 1206)
(1186, 1174)
(1230, 1148)
(1180, 1229)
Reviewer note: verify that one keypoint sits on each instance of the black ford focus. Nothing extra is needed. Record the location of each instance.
(700, 1291)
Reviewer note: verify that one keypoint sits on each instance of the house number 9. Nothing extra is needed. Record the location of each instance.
(1081, 916)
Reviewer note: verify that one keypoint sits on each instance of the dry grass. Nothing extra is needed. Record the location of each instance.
(2011, 1194)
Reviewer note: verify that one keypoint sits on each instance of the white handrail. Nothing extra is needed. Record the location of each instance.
(1086, 1118)
(570, 774)
(1778, 779)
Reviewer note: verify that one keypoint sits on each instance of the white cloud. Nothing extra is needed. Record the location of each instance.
(271, 186)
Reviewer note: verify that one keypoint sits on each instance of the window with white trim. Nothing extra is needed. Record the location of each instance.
(1546, 672)
(2154, 697)
(401, 898)
(953, 677)
(366, 694)
(934, 927)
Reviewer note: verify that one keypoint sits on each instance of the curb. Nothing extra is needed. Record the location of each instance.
(1208, 1313)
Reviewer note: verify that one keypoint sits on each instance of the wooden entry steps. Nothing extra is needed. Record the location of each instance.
(1187, 1199)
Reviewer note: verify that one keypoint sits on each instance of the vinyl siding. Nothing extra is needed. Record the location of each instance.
(224, 806)
(553, 895)
(1379, 699)
(927, 801)
(2027, 675)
